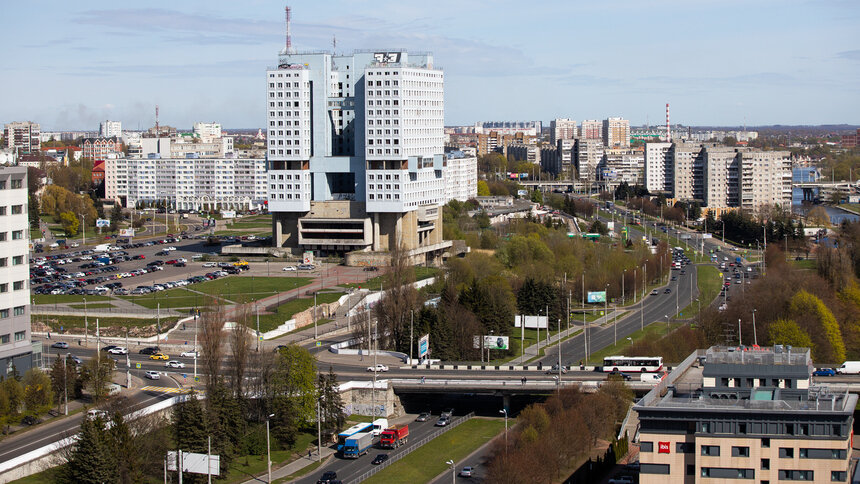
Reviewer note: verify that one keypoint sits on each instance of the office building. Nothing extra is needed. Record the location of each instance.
(23, 136)
(560, 129)
(110, 129)
(461, 176)
(658, 169)
(356, 155)
(747, 414)
(587, 154)
(528, 128)
(591, 129)
(616, 133)
(207, 131)
(16, 349)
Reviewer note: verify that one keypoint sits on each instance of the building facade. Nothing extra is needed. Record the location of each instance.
(110, 129)
(527, 128)
(461, 176)
(99, 149)
(355, 154)
(616, 133)
(23, 136)
(748, 414)
(560, 129)
(587, 154)
(16, 349)
(523, 152)
(591, 129)
(658, 167)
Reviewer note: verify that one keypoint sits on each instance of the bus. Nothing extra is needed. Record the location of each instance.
(355, 429)
(629, 364)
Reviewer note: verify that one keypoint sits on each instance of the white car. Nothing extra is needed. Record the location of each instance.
(152, 375)
(379, 367)
(118, 351)
(169, 248)
(289, 268)
(188, 354)
(210, 264)
(174, 364)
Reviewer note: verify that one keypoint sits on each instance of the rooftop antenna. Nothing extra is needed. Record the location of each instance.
(288, 15)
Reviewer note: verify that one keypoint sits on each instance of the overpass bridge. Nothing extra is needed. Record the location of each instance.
(813, 191)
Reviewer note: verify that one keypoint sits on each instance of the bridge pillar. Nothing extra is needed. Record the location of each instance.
(506, 402)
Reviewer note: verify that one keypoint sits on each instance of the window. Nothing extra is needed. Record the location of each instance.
(17, 285)
(2, 210)
(19, 311)
(17, 183)
(765, 443)
(646, 447)
(838, 476)
(17, 235)
(17, 260)
(4, 261)
(726, 473)
(796, 475)
(765, 464)
(19, 335)
(740, 451)
(786, 452)
(4, 339)
(711, 450)
(685, 447)
(17, 209)
(691, 469)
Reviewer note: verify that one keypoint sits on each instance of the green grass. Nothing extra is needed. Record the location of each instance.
(657, 329)
(48, 476)
(66, 298)
(304, 470)
(256, 464)
(428, 461)
(709, 282)
(241, 289)
(851, 206)
(373, 283)
(805, 264)
(354, 419)
(78, 322)
(172, 298)
(92, 306)
(286, 310)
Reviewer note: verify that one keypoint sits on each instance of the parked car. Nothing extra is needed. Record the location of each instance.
(379, 367)
(60, 344)
(379, 459)
(152, 375)
(824, 372)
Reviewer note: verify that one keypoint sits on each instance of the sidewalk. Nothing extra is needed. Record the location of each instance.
(294, 466)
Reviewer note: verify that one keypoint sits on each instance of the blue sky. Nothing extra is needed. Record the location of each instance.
(72, 64)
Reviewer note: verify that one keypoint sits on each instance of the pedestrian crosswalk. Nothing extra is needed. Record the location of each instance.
(150, 388)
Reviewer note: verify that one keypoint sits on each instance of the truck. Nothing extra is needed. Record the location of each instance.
(101, 248)
(357, 445)
(379, 425)
(394, 437)
(849, 368)
(738, 260)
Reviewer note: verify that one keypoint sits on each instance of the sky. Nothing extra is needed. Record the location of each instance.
(69, 65)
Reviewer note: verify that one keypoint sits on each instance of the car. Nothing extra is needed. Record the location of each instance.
(96, 413)
(554, 369)
(824, 372)
(466, 471)
(30, 420)
(379, 459)
(327, 477)
(188, 354)
(379, 367)
(158, 356)
(118, 350)
(210, 264)
(60, 344)
(306, 267)
(667, 291)
(443, 421)
(289, 268)
(150, 350)
(654, 292)
(174, 364)
(152, 375)
(621, 374)
(74, 358)
(423, 417)
(110, 347)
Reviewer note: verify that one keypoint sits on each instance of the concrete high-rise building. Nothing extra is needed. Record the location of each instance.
(621, 165)
(587, 154)
(658, 168)
(616, 133)
(207, 131)
(528, 128)
(565, 158)
(23, 136)
(560, 129)
(110, 129)
(16, 349)
(686, 178)
(461, 176)
(591, 129)
(749, 414)
(495, 141)
(522, 152)
(355, 151)
(765, 179)
(550, 160)
(720, 170)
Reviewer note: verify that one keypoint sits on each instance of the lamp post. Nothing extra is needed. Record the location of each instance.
(453, 471)
(269, 450)
(755, 338)
(667, 324)
(606, 308)
(86, 325)
(504, 411)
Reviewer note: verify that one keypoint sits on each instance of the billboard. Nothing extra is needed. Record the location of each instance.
(532, 322)
(596, 296)
(491, 342)
(228, 214)
(126, 232)
(102, 222)
(423, 346)
(522, 193)
(194, 463)
(707, 236)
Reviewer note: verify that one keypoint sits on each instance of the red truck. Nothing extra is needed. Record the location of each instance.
(394, 437)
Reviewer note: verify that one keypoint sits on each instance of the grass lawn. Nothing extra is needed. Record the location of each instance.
(66, 298)
(373, 283)
(171, 298)
(91, 306)
(304, 470)
(851, 206)
(354, 419)
(244, 467)
(655, 329)
(243, 289)
(286, 310)
(709, 284)
(47, 476)
(806, 264)
(428, 461)
(78, 322)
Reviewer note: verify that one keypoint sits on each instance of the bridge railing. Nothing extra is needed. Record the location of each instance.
(414, 447)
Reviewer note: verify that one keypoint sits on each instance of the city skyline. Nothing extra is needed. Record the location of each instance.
(768, 63)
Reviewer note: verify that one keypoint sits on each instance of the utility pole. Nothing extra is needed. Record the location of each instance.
(196, 314)
(315, 314)
(86, 325)
(584, 322)
(411, 332)
(257, 308)
(65, 383)
(319, 433)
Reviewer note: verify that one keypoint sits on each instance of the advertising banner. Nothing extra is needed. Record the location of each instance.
(126, 232)
(532, 322)
(596, 296)
(496, 342)
(194, 463)
(102, 222)
(228, 214)
(423, 346)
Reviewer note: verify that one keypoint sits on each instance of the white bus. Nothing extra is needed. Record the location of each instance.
(627, 364)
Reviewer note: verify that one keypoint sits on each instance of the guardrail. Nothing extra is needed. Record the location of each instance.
(114, 312)
(413, 447)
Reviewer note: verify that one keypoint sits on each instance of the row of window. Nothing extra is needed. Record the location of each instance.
(744, 451)
(16, 210)
(741, 473)
(19, 336)
(772, 428)
(14, 183)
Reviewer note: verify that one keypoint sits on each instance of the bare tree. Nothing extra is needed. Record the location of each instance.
(259, 371)
(393, 310)
(240, 346)
(212, 323)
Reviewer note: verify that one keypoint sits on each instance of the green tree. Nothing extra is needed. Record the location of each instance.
(598, 227)
(14, 393)
(294, 392)
(818, 321)
(124, 451)
(91, 459)
(536, 196)
(190, 426)
(483, 189)
(70, 223)
(332, 417)
(96, 374)
(787, 332)
(38, 394)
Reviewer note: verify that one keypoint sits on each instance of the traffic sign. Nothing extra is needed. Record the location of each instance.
(319, 343)
(137, 365)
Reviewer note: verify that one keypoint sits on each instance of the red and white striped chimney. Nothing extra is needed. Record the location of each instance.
(668, 131)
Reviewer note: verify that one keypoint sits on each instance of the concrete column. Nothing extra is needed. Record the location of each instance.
(376, 244)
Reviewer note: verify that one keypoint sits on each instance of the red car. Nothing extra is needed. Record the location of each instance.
(172, 261)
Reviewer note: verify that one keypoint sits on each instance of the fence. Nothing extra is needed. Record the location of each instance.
(413, 447)
(105, 312)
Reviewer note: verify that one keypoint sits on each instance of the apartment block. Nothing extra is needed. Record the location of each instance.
(616, 133)
(750, 414)
(765, 179)
(591, 129)
(564, 149)
(550, 160)
(23, 136)
(687, 171)
(461, 176)
(498, 142)
(523, 152)
(621, 165)
(560, 129)
(99, 149)
(110, 129)
(587, 154)
(527, 128)
(16, 349)
(658, 167)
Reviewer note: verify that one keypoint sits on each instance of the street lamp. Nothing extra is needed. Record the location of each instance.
(453, 471)
(667, 324)
(504, 412)
(755, 338)
(269, 449)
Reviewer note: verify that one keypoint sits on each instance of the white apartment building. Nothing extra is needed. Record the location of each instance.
(110, 129)
(461, 176)
(528, 128)
(685, 163)
(587, 154)
(188, 183)
(207, 131)
(591, 129)
(620, 165)
(658, 169)
(616, 133)
(355, 152)
(23, 136)
(720, 176)
(16, 348)
(561, 129)
(765, 179)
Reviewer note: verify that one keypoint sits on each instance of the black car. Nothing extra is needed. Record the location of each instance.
(327, 477)
(379, 459)
(622, 375)
(149, 350)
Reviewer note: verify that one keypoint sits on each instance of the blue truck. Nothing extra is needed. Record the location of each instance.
(358, 445)
(738, 260)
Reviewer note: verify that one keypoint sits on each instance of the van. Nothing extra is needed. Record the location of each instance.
(849, 368)
(95, 413)
(651, 377)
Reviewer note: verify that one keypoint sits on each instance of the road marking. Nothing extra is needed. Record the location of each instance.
(164, 389)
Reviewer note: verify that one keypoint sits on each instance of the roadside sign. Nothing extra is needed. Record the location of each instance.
(319, 343)
(137, 365)
(261, 338)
